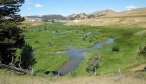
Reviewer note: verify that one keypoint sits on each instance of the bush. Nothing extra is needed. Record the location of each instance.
(92, 64)
(53, 21)
(116, 48)
(145, 68)
(142, 51)
(90, 40)
(73, 74)
(36, 41)
(83, 38)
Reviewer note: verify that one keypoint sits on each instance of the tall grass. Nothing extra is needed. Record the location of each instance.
(111, 79)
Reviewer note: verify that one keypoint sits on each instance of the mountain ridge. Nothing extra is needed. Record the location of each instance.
(96, 14)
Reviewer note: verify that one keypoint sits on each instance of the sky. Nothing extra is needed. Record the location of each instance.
(67, 7)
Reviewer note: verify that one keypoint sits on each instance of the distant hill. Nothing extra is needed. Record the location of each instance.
(91, 15)
(129, 13)
(110, 13)
(47, 17)
(77, 16)
(96, 14)
(33, 16)
(101, 13)
(53, 17)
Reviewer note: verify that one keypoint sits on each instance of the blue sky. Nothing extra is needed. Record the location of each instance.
(67, 7)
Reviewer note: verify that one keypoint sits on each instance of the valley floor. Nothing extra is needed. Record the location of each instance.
(49, 40)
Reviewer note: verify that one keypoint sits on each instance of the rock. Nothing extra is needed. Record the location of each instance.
(77, 16)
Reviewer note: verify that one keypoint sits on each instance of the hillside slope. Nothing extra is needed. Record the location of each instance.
(101, 13)
(77, 16)
(53, 17)
(136, 17)
(140, 12)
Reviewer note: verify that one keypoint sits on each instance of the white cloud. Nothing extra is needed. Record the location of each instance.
(38, 5)
(130, 7)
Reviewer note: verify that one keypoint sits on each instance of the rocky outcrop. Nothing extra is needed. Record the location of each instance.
(77, 16)
(101, 13)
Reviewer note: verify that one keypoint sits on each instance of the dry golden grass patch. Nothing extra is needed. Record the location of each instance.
(141, 32)
(118, 79)
(131, 21)
(93, 22)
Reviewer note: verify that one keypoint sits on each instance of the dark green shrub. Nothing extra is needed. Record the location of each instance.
(83, 38)
(52, 21)
(84, 30)
(39, 30)
(145, 68)
(36, 42)
(142, 51)
(50, 44)
(45, 28)
(116, 48)
(90, 40)
(73, 74)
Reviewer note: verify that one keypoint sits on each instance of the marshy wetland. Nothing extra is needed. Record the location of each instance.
(56, 45)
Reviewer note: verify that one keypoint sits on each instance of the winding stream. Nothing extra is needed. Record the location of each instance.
(77, 55)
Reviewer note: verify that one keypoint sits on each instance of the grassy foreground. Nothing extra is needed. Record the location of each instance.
(110, 79)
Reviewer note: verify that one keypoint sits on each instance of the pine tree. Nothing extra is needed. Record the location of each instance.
(26, 60)
(10, 34)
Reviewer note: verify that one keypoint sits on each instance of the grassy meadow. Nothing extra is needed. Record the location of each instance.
(49, 40)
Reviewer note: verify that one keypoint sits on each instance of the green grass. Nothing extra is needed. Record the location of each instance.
(113, 61)
(50, 40)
